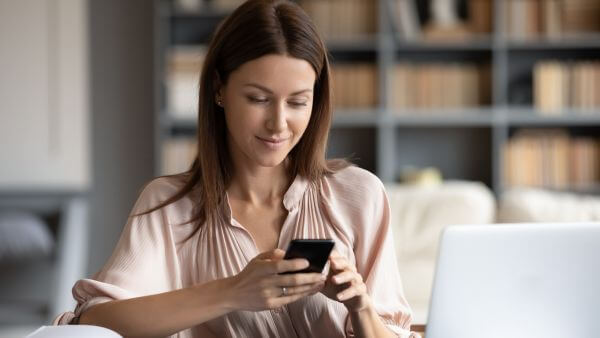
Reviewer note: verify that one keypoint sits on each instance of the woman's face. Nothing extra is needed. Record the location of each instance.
(268, 103)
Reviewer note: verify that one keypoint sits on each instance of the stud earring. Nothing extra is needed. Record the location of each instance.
(219, 102)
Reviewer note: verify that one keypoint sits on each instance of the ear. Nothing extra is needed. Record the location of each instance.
(218, 88)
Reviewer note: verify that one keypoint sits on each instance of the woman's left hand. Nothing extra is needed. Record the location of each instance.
(344, 284)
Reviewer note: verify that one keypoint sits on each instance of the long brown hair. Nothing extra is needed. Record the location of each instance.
(255, 29)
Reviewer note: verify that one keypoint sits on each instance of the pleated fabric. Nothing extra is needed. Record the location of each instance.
(157, 253)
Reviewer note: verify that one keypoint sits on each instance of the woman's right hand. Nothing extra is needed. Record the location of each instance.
(260, 286)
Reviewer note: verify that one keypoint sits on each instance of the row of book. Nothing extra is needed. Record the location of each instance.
(552, 159)
(343, 19)
(558, 85)
(530, 19)
(440, 85)
(355, 85)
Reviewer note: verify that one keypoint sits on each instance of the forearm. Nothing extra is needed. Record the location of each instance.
(162, 314)
(367, 323)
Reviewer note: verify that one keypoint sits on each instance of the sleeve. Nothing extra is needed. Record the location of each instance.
(362, 202)
(144, 261)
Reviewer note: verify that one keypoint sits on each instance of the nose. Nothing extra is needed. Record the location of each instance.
(277, 121)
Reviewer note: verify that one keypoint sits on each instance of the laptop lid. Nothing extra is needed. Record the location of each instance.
(520, 280)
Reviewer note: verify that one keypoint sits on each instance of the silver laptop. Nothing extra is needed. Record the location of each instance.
(522, 280)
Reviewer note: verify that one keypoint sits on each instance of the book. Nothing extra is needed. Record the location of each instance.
(551, 158)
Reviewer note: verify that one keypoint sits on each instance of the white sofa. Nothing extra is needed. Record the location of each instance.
(419, 215)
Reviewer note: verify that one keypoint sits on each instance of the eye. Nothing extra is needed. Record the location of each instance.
(298, 104)
(256, 99)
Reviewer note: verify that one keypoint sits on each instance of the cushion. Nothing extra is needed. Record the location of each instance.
(419, 215)
(23, 235)
(538, 205)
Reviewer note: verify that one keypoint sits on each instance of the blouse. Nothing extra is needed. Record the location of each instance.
(158, 253)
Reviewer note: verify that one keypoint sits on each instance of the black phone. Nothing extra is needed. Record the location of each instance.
(316, 251)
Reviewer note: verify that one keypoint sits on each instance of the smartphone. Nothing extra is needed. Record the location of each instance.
(316, 251)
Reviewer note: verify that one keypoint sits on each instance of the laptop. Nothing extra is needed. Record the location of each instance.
(518, 280)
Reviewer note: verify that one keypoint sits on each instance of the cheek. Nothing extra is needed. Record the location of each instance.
(242, 119)
(300, 123)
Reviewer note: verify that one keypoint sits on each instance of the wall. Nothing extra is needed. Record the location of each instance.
(121, 42)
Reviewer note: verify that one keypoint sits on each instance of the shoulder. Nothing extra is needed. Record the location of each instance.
(159, 190)
(352, 188)
(353, 180)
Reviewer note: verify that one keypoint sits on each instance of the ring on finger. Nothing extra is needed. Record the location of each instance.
(284, 291)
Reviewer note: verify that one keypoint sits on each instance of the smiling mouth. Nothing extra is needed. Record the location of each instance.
(270, 140)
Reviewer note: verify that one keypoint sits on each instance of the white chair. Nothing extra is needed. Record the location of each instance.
(418, 215)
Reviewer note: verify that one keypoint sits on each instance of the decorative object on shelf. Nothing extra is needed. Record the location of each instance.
(406, 20)
(428, 176)
(444, 22)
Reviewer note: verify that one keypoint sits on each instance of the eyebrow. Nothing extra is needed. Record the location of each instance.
(271, 92)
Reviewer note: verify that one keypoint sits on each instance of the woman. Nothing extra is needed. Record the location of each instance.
(201, 254)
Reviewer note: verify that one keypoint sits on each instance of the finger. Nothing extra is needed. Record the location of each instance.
(340, 263)
(277, 254)
(308, 288)
(344, 277)
(267, 254)
(295, 264)
(334, 254)
(351, 292)
(299, 279)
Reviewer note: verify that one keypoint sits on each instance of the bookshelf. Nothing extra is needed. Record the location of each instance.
(465, 140)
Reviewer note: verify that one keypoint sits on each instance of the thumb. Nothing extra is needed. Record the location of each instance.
(272, 254)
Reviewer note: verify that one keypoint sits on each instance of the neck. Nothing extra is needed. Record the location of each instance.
(259, 185)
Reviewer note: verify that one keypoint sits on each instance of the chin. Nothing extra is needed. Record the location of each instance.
(271, 161)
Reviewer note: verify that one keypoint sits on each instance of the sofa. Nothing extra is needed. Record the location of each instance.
(420, 214)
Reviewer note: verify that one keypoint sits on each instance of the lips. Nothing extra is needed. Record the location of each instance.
(272, 143)
(272, 140)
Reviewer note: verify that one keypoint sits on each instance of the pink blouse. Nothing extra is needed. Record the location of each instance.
(156, 254)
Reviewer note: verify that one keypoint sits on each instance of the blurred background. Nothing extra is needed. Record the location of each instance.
(470, 111)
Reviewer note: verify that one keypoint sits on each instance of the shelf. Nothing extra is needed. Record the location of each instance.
(479, 44)
(466, 143)
(367, 117)
(455, 117)
(590, 41)
(571, 117)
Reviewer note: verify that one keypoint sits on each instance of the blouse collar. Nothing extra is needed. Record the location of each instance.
(291, 198)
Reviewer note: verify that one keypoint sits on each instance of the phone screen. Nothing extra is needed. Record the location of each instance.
(316, 251)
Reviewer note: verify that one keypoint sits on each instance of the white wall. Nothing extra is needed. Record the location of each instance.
(44, 106)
